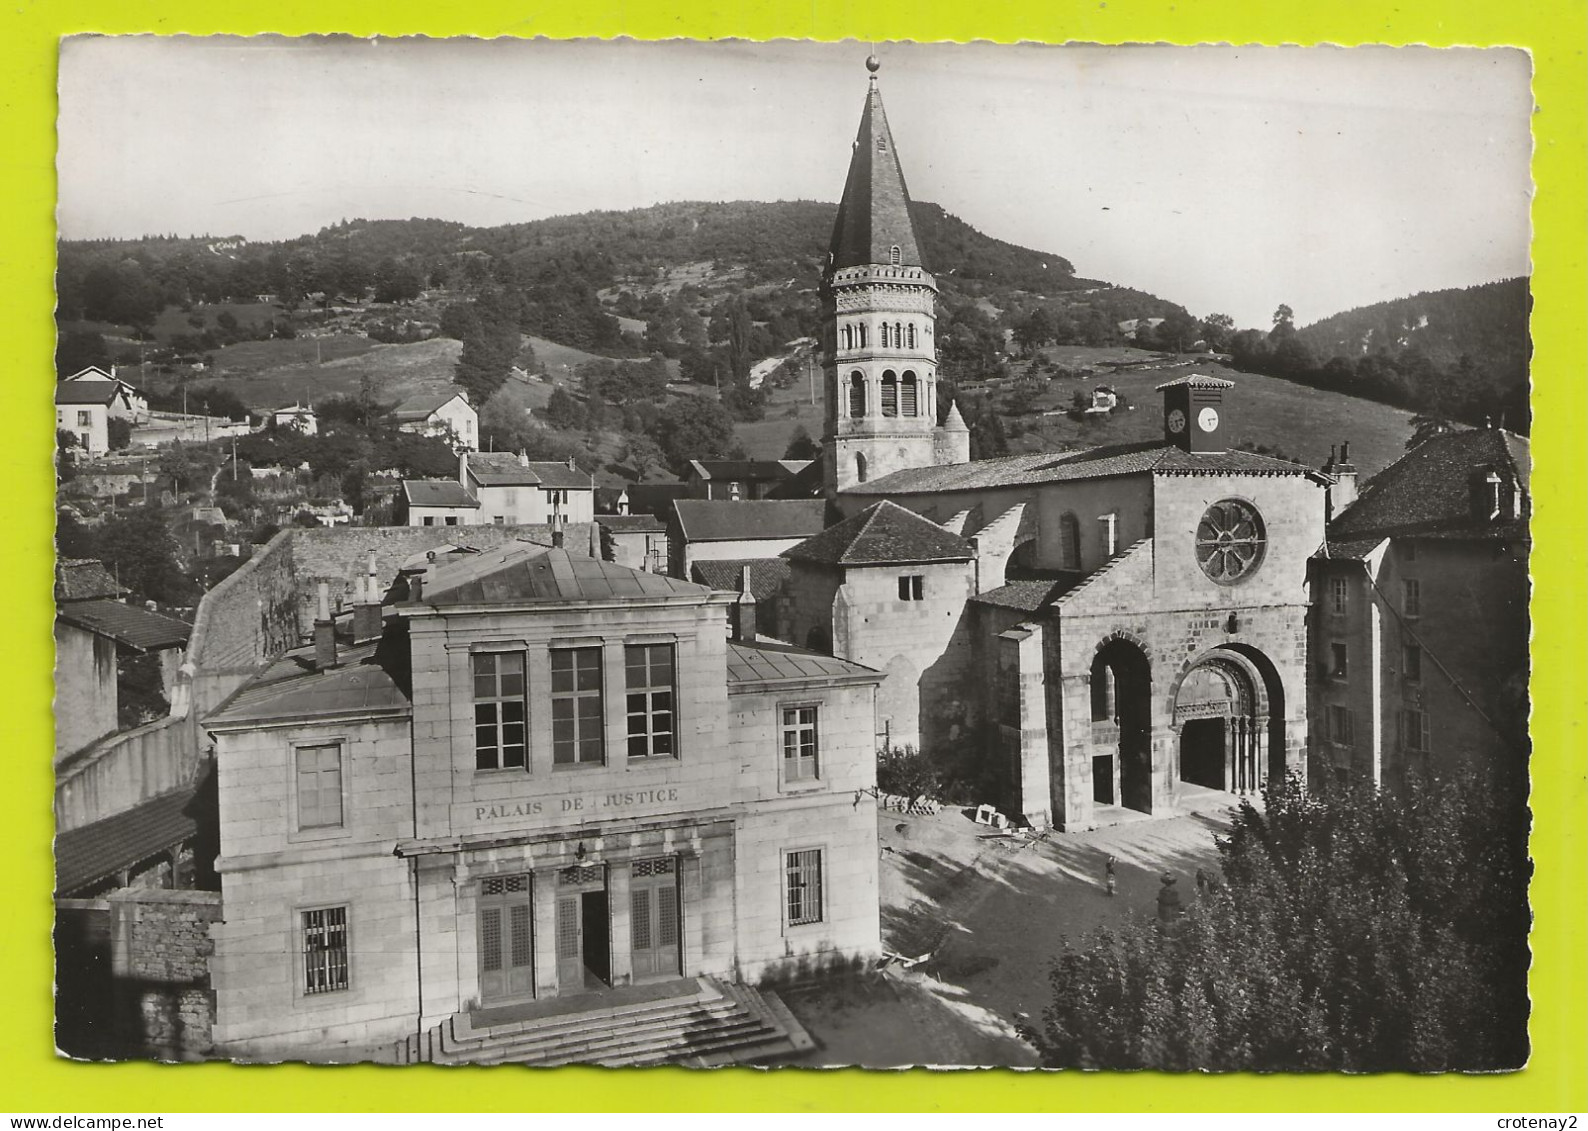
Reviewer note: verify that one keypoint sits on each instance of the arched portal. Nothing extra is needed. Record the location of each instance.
(1222, 714)
(1122, 694)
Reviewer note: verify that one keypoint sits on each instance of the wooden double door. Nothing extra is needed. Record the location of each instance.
(653, 918)
(506, 939)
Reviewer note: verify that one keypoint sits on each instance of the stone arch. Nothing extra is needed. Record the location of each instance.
(857, 393)
(1121, 683)
(909, 394)
(1226, 707)
(890, 393)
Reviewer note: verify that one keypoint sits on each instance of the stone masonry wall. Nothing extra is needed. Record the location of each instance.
(160, 951)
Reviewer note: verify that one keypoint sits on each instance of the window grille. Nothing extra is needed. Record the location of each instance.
(1339, 595)
(499, 711)
(490, 938)
(325, 966)
(504, 885)
(587, 874)
(803, 882)
(659, 866)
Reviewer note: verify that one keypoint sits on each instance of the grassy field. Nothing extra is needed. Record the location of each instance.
(1300, 421)
(397, 371)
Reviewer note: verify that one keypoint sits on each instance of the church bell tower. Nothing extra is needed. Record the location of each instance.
(879, 359)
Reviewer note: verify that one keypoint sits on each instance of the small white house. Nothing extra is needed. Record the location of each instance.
(297, 416)
(84, 408)
(447, 414)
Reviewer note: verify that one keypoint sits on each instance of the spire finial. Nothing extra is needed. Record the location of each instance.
(873, 64)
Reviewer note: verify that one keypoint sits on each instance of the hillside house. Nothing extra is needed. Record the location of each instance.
(131, 406)
(296, 416)
(708, 529)
(84, 409)
(447, 415)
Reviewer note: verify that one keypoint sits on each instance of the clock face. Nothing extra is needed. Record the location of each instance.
(1176, 421)
(1208, 419)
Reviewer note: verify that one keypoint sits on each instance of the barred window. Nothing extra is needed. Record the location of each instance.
(652, 725)
(499, 712)
(319, 772)
(577, 717)
(803, 883)
(1339, 595)
(325, 950)
(801, 760)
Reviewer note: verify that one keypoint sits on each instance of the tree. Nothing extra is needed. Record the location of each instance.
(563, 411)
(1217, 330)
(119, 433)
(694, 428)
(801, 446)
(1354, 930)
(180, 465)
(1035, 330)
(139, 549)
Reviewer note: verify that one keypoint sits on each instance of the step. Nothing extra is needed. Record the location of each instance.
(631, 1023)
(463, 1028)
(576, 1023)
(601, 1040)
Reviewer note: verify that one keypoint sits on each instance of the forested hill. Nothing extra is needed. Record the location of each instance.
(1486, 323)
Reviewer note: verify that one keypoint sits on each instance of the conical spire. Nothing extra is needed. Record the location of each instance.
(874, 216)
(954, 422)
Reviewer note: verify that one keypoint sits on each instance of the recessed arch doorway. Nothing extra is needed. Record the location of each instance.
(1223, 707)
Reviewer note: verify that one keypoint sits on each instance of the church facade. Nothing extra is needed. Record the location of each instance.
(1104, 630)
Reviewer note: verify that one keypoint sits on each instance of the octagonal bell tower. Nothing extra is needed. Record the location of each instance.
(879, 358)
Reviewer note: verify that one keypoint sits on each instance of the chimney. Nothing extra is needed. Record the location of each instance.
(366, 612)
(1342, 488)
(623, 501)
(744, 610)
(523, 458)
(324, 633)
(463, 468)
(571, 466)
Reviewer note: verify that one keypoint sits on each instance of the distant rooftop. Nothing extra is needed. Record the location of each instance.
(136, 628)
(724, 520)
(1428, 491)
(84, 579)
(767, 575)
(291, 688)
(523, 572)
(437, 493)
(767, 662)
(884, 533)
(90, 853)
(420, 407)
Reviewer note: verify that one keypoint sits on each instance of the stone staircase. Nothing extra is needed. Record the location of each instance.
(718, 1023)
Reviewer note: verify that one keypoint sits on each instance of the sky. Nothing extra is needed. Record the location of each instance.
(1226, 179)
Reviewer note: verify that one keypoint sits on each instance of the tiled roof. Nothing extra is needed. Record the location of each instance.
(1196, 381)
(655, 498)
(1350, 549)
(806, 483)
(500, 469)
(84, 579)
(86, 392)
(420, 407)
(437, 493)
(561, 475)
(632, 523)
(883, 533)
(765, 662)
(90, 853)
(1428, 491)
(1035, 468)
(524, 572)
(767, 575)
(1030, 595)
(874, 214)
(126, 624)
(290, 688)
(723, 520)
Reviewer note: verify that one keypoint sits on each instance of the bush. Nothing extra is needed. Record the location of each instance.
(906, 771)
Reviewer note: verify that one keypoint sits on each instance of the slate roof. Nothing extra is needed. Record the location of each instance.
(420, 407)
(500, 469)
(767, 575)
(437, 493)
(874, 214)
(724, 520)
(1153, 456)
(525, 572)
(84, 579)
(632, 523)
(86, 391)
(90, 853)
(767, 662)
(1029, 595)
(561, 475)
(127, 624)
(290, 688)
(748, 469)
(884, 533)
(1350, 549)
(1428, 490)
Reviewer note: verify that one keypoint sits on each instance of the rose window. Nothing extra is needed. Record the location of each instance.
(1230, 541)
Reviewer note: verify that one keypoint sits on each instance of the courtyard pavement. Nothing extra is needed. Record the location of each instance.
(990, 913)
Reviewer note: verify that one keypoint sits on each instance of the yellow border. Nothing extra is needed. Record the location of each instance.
(1554, 30)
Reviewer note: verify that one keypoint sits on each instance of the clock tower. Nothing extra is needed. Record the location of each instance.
(879, 356)
(1195, 418)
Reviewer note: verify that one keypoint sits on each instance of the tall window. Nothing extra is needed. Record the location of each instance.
(801, 761)
(861, 329)
(1069, 542)
(857, 393)
(909, 396)
(1339, 595)
(849, 337)
(319, 773)
(576, 714)
(1339, 667)
(890, 394)
(1411, 599)
(649, 669)
(898, 335)
(912, 587)
(912, 335)
(895, 256)
(860, 468)
(1414, 730)
(324, 950)
(1341, 728)
(802, 877)
(884, 335)
(1412, 662)
(499, 711)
